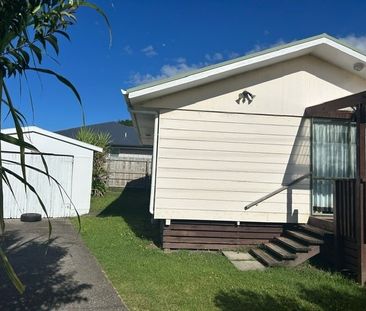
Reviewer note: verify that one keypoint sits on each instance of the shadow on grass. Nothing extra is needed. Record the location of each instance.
(241, 299)
(316, 297)
(133, 206)
(39, 266)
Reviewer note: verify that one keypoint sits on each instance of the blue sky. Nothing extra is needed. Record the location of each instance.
(157, 39)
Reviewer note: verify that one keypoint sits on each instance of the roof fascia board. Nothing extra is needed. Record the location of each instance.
(209, 75)
(132, 114)
(346, 49)
(153, 83)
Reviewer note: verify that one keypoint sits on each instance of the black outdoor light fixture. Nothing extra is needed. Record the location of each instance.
(245, 96)
(358, 66)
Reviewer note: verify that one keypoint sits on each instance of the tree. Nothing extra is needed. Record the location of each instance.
(103, 140)
(126, 122)
(28, 30)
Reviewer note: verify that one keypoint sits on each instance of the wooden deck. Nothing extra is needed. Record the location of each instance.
(215, 235)
(323, 222)
(218, 235)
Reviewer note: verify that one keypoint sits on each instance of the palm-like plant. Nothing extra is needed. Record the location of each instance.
(28, 29)
(100, 174)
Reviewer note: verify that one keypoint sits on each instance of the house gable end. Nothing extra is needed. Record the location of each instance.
(285, 88)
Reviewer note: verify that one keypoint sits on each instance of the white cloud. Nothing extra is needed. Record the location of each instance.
(359, 42)
(166, 71)
(214, 57)
(181, 60)
(139, 78)
(261, 47)
(149, 51)
(232, 55)
(172, 70)
(127, 49)
(180, 65)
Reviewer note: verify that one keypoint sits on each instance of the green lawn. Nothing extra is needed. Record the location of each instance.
(119, 234)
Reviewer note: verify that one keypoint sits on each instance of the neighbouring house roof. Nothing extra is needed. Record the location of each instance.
(323, 46)
(35, 129)
(121, 135)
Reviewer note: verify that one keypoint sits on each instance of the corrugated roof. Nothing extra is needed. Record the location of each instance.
(121, 135)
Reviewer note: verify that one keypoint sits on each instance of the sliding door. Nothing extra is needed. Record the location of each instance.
(333, 157)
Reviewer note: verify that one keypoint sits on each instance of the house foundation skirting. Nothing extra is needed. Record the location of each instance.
(214, 235)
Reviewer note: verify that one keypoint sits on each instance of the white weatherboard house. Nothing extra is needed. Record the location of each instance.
(235, 135)
(69, 161)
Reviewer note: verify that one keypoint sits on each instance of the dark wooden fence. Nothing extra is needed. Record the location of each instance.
(350, 227)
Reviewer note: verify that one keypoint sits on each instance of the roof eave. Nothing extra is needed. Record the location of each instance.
(241, 65)
(35, 129)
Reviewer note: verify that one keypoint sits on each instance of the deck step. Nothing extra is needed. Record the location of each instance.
(265, 258)
(325, 223)
(303, 237)
(292, 244)
(279, 251)
(315, 230)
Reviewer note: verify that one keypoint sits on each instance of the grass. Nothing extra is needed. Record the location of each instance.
(120, 235)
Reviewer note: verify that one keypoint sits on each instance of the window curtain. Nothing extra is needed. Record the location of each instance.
(334, 156)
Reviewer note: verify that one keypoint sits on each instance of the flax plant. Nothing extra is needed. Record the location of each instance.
(29, 29)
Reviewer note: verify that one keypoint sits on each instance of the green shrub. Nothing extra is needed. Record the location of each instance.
(100, 175)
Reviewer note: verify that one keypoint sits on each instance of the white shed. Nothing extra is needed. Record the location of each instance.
(69, 161)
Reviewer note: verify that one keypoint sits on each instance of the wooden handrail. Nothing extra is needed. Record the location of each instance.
(269, 195)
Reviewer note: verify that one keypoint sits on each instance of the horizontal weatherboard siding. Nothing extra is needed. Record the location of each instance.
(225, 127)
(210, 165)
(198, 194)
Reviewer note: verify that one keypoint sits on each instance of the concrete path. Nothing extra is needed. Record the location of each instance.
(243, 261)
(60, 275)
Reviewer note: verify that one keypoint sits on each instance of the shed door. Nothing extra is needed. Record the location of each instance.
(58, 204)
(333, 156)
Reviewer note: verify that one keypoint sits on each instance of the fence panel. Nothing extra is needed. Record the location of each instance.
(129, 172)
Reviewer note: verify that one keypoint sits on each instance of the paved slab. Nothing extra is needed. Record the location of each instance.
(59, 275)
(243, 261)
(231, 255)
(247, 265)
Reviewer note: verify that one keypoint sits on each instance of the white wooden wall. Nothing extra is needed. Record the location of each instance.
(217, 154)
(57, 204)
(210, 165)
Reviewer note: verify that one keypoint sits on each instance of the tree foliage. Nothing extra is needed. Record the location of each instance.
(103, 140)
(126, 122)
(29, 30)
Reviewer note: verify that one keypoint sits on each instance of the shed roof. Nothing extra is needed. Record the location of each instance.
(35, 129)
(323, 46)
(121, 135)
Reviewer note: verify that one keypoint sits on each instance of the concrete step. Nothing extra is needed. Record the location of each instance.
(265, 258)
(279, 251)
(303, 237)
(321, 233)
